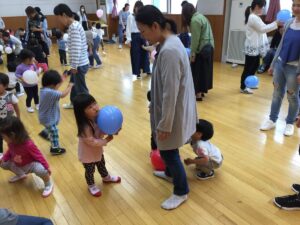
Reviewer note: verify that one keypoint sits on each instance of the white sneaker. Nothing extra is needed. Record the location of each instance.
(37, 107)
(268, 125)
(289, 130)
(17, 178)
(162, 174)
(95, 191)
(48, 190)
(97, 66)
(246, 91)
(120, 46)
(30, 109)
(68, 106)
(174, 201)
(19, 94)
(104, 53)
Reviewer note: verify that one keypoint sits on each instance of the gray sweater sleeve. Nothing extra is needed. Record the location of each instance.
(7, 217)
(288, 24)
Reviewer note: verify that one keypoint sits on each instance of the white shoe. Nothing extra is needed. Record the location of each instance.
(174, 201)
(104, 53)
(246, 91)
(30, 109)
(17, 178)
(120, 46)
(48, 190)
(37, 107)
(19, 94)
(97, 66)
(68, 106)
(162, 174)
(95, 191)
(268, 125)
(289, 130)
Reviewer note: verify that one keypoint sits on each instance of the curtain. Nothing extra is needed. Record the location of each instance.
(274, 8)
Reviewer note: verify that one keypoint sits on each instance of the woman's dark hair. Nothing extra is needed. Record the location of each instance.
(137, 6)
(149, 15)
(81, 102)
(82, 6)
(26, 54)
(188, 10)
(125, 6)
(62, 9)
(39, 11)
(4, 79)
(183, 3)
(206, 128)
(14, 129)
(259, 3)
(98, 25)
(58, 34)
(51, 77)
(171, 25)
(76, 17)
(30, 10)
(11, 66)
(5, 34)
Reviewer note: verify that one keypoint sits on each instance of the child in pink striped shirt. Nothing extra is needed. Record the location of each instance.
(22, 156)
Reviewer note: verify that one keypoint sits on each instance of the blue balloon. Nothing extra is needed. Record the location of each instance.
(284, 15)
(251, 81)
(188, 51)
(110, 119)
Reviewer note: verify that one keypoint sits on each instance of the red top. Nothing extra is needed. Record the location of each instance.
(24, 154)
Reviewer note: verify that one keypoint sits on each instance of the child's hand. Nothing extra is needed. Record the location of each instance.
(49, 171)
(118, 131)
(188, 161)
(109, 138)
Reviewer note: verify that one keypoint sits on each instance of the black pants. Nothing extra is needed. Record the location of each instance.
(251, 66)
(85, 25)
(1, 144)
(32, 93)
(90, 170)
(62, 56)
(11, 57)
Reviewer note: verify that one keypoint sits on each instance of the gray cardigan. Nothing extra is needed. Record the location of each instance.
(173, 101)
(287, 25)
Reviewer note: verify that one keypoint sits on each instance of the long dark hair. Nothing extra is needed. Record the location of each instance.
(259, 3)
(125, 7)
(137, 6)
(81, 102)
(149, 14)
(14, 129)
(81, 11)
(188, 10)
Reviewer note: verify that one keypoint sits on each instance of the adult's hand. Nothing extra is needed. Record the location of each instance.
(270, 71)
(74, 71)
(163, 135)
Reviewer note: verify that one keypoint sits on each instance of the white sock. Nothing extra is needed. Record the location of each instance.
(174, 201)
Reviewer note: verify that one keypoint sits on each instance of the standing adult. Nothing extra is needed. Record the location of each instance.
(44, 26)
(78, 55)
(139, 57)
(286, 73)
(172, 100)
(256, 43)
(2, 24)
(83, 17)
(123, 15)
(202, 49)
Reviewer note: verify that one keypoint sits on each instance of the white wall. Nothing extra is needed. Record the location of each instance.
(17, 7)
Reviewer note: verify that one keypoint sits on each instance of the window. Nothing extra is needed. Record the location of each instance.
(176, 6)
(284, 4)
(121, 4)
(161, 4)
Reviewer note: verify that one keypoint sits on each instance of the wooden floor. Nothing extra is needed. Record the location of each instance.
(257, 165)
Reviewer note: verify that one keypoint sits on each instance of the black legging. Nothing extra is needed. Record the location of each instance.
(90, 170)
(32, 93)
(250, 68)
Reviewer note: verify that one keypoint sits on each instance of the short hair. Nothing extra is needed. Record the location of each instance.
(30, 10)
(183, 3)
(61, 9)
(76, 17)
(98, 25)
(5, 34)
(4, 80)
(11, 66)
(188, 10)
(51, 77)
(58, 34)
(26, 54)
(206, 128)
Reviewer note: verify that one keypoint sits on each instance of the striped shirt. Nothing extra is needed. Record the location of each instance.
(49, 113)
(77, 46)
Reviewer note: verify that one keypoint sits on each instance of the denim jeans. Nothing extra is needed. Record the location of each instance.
(175, 169)
(121, 34)
(95, 52)
(32, 220)
(285, 80)
(79, 82)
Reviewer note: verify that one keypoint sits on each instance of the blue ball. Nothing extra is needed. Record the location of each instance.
(110, 119)
(284, 15)
(188, 51)
(251, 81)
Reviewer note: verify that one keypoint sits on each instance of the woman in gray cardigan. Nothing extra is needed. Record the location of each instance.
(173, 102)
(286, 69)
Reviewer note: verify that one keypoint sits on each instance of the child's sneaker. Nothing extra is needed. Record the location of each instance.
(17, 178)
(246, 91)
(19, 94)
(30, 109)
(48, 190)
(205, 176)
(57, 151)
(37, 107)
(45, 135)
(268, 125)
(162, 175)
(111, 179)
(289, 202)
(289, 130)
(296, 188)
(95, 191)
(174, 201)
